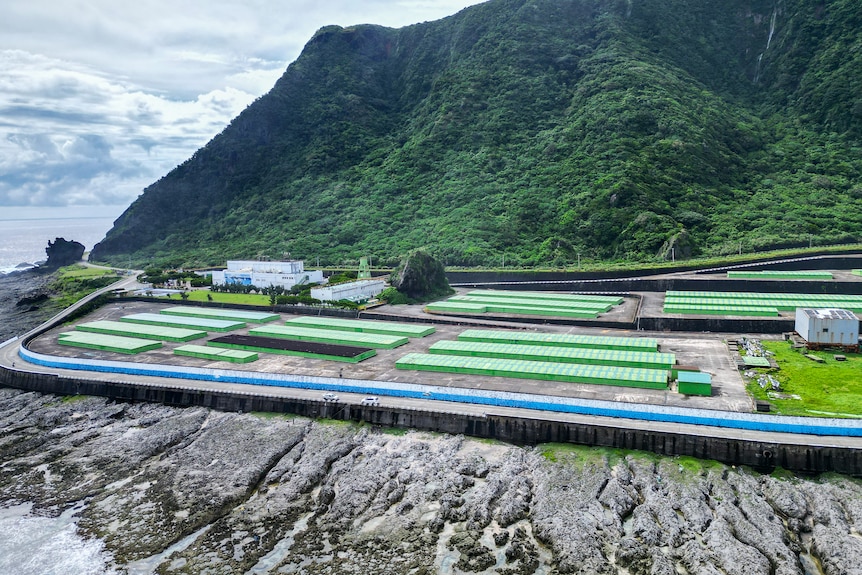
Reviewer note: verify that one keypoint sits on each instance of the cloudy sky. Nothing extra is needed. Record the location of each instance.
(100, 98)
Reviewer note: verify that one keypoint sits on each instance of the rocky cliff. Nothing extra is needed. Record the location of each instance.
(197, 491)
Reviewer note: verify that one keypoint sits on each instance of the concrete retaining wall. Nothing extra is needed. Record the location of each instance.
(525, 431)
(812, 262)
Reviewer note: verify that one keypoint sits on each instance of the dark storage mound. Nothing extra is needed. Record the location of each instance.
(289, 345)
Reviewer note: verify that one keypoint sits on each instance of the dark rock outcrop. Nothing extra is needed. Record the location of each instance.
(62, 252)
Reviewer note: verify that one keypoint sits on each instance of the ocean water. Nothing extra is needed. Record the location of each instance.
(34, 545)
(25, 232)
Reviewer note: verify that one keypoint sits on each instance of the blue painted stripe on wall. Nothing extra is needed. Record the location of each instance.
(747, 421)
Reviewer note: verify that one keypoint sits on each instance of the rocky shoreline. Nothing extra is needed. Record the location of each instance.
(173, 490)
(197, 491)
(23, 301)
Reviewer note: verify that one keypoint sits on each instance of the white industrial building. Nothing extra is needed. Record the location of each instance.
(264, 274)
(827, 327)
(359, 290)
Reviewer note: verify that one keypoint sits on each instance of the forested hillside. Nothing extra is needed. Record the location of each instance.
(534, 130)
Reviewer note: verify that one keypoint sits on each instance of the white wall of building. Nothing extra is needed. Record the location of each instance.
(827, 326)
(353, 291)
(265, 274)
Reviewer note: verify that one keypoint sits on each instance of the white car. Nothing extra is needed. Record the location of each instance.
(370, 401)
(330, 397)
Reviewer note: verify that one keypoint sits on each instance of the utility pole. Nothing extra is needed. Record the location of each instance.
(579, 260)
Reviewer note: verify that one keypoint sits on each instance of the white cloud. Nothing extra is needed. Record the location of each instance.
(100, 99)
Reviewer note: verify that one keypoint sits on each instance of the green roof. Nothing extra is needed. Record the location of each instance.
(374, 340)
(216, 354)
(144, 331)
(222, 313)
(694, 377)
(208, 324)
(363, 326)
(562, 372)
(104, 342)
(560, 339)
(541, 295)
(586, 356)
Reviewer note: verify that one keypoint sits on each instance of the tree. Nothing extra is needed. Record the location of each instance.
(420, 277)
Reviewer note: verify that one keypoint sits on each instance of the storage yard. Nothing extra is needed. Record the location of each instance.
(558, 360)
(588, 345)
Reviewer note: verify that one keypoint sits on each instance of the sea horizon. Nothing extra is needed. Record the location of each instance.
(26, 231)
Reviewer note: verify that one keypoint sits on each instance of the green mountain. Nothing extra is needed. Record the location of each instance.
(534, 130)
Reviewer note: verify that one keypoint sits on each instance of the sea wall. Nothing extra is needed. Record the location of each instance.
(519, 430)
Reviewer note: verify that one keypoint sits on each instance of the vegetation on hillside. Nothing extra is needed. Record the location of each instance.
(537, 132)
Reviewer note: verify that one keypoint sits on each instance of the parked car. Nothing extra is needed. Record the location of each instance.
(370, 401)
(330, 397)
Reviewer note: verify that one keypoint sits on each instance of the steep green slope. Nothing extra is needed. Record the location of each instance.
(537, 130)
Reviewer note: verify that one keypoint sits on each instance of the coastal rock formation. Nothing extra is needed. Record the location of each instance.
(22, 301)
(62, 252)
(420, 277)
(196, 491)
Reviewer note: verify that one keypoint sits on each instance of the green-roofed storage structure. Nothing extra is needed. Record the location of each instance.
(538, 295)
(548, 371)
(560, 339)
(583, 356)
(778, 274)
(752, 303)
(104, 342)
(144, 331)
(526, 303)
(694, 383)
(597, 307)
(221, 313)
(362, 326)
(216, 354)
(208, 324)
(489, 307)
(456, 307)
(372, 340)
(707, 309)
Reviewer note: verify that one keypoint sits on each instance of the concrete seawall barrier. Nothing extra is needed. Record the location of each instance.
(518, 430)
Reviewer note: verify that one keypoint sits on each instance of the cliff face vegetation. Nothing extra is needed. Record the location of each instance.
(534, 130)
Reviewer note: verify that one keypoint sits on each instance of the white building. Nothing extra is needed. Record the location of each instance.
(265, 274)
(353, 291)
(827, 326)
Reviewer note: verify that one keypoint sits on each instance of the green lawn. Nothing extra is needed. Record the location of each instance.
(240, 298)
(73, 282)
(79, 271)
(831, 389)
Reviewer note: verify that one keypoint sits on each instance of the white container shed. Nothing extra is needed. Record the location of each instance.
(827, 326)
(353, 291)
